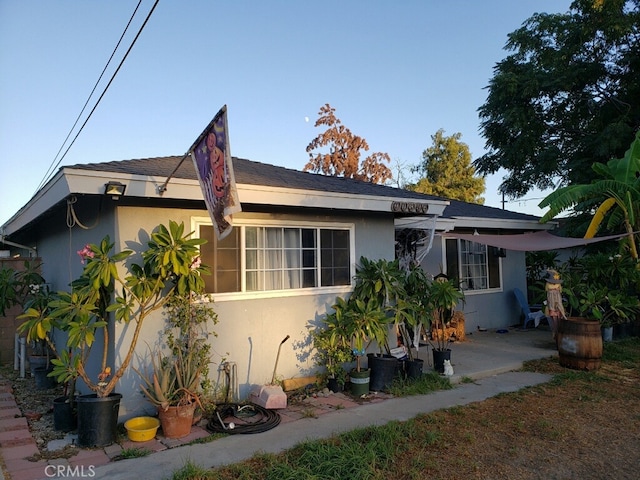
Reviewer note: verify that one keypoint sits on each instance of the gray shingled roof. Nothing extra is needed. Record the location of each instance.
(256, 173)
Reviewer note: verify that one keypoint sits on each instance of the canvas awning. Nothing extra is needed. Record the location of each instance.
(530, 242)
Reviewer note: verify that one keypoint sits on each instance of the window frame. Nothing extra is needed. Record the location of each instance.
(458, 274)
(243, 294)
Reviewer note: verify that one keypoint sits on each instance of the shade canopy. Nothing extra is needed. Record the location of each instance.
(530, 242)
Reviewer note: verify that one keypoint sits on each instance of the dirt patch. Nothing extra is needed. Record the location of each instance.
(584, 426)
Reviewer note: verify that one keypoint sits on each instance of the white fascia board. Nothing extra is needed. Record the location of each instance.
(501, 223)
(260, 194)
(180, 188)
(53, 192)
(424, 222)
(445, 224)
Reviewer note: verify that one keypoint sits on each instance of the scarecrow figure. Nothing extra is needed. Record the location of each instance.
(554, 309)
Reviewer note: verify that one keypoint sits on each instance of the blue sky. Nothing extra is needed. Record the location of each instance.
(395, 72)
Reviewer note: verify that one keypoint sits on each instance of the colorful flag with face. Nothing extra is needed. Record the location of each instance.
(211, 156)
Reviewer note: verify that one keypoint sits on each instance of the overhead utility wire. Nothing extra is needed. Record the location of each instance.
(108, 85)
(52, 167)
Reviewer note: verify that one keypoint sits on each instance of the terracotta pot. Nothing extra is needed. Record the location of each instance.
(176, 421)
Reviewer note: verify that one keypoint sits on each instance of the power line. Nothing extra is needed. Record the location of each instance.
(53, 167)
(53, 164)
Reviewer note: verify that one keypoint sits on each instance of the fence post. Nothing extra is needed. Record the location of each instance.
(20, 352)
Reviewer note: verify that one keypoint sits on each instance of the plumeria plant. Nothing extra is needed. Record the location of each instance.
(170, 266)
(603, 287)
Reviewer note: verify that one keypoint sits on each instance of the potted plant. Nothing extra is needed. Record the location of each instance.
(42, 352)
(601, 291)
(170, 265)
(365, 322)
(412, 315)
(383, 282)
(187, 331)
(444, 295)
(331, 341)
(173, 387)
(38, 328)
(27, 288)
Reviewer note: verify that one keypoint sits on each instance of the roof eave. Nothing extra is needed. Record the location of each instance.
(70, 181)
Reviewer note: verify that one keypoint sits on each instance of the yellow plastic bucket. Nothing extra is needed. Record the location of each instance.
(141, 429)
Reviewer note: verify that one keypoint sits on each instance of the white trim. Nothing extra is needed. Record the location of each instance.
(341, 290)
(261, 194)
(501, 223)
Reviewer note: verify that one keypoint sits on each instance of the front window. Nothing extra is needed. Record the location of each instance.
(265, 258)
(477, 266)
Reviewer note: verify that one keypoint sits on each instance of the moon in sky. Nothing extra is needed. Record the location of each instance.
(306, 119)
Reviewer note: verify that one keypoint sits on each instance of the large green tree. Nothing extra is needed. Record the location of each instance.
(568, 96)
(446, 170)
(345, 148)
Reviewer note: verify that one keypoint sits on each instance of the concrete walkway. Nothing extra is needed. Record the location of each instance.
(489, 358)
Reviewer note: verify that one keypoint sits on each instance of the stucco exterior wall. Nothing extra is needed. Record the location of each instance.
(57, 244)
(249, 329)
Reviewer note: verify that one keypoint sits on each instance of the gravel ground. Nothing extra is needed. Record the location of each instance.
(37, 406)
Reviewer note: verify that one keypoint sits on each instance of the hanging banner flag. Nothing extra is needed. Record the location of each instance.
(211, 156)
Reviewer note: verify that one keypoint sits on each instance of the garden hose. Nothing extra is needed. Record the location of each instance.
(266, 419)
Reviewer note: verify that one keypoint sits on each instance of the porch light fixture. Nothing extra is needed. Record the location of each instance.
(115, 189)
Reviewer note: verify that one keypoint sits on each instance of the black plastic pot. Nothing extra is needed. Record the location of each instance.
(439, 356)
(383, 370)
(335, 386)
(622, 330)
(65, 415)
(43, 381)
(413, 368)
(37, 361)
(98, 419)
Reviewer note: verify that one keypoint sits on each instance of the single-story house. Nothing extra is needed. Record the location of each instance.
(311, 229)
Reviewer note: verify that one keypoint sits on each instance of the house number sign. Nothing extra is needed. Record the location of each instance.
(409, 207)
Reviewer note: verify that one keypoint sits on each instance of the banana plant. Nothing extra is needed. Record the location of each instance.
(616, 192)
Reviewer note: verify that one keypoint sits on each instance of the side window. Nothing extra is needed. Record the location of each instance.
(223, 257)
(476, 265)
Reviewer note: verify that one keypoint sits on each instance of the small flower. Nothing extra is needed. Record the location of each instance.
(195, 264)
(85, 253)
(104, 375)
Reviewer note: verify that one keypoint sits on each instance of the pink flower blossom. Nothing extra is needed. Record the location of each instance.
(85, 253)
(195, 264)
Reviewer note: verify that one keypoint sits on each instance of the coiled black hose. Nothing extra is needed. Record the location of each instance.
(267, 419)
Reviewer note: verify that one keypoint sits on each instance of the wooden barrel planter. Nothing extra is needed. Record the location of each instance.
(579, 343)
